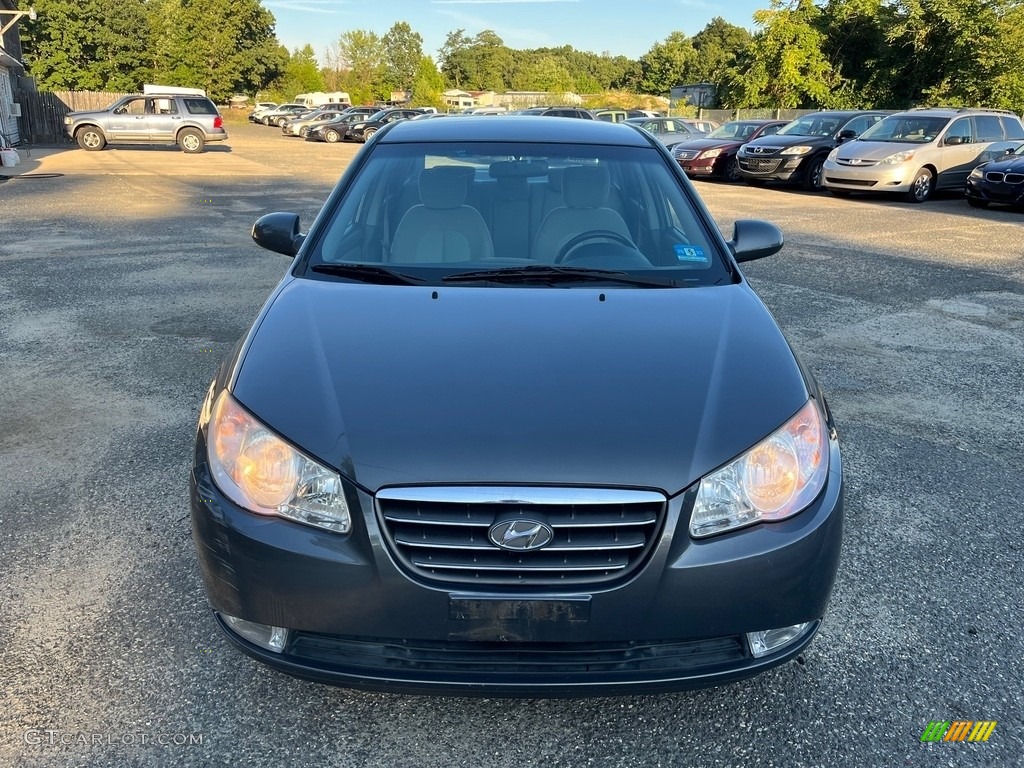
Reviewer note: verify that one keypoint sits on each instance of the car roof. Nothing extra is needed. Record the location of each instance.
(951, 112)
(518, 129)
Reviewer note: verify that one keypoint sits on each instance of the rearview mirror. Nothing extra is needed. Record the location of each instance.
(755, 239)
(278, 232)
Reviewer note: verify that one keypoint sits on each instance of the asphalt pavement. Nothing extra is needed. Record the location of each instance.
(125, 276)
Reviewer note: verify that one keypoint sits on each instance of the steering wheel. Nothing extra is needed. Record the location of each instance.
(594, 234)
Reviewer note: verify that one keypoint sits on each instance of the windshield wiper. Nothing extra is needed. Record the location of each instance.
(369, 273)
(551, 274)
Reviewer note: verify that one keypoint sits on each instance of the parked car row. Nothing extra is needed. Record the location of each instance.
(912, 153)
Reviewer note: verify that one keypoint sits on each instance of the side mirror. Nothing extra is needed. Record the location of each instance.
(953, 141)
(1009, 151)
(847, 134)
(278, 232)
(755, 239)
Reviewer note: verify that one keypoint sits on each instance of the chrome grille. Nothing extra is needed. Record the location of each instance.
(689, 154)
(441, 533)
(760, 165)
(994, 176)
(856, 162)
(1014, 178)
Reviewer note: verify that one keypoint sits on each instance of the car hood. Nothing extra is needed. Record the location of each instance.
(702, 144)
(646, 388)
(790, 141)
(876, 150)
(1013, 164)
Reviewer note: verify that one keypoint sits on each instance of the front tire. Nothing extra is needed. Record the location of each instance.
(303, 131)
(191, 141)
(731, 172)
(921, 187)
(332, 136)
(814, 177)
(368, 134)
(91, 139)
(281, 122)
(265, 121)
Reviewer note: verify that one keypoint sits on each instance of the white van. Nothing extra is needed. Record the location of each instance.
(319, 97)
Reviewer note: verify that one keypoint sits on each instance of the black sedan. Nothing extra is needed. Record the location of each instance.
(1000, 181)
(364, 129)
(515, 423)
(335, 130)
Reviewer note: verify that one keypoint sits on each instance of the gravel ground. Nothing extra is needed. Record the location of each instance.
(125, 278)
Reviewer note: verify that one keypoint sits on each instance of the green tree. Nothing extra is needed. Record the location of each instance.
(543, 72)
(98, 45)
(428, 85)
(403, 52)
(784, 67)
(301, 75)
(667, 64)
(223, 46)
(362, 57)
(717, 46)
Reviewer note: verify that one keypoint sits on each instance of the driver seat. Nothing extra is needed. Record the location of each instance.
(585, 188)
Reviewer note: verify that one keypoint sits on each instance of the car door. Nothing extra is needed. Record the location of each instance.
(129, 121)
(956, 158)
(164, 118)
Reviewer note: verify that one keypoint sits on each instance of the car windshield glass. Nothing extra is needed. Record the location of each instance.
(733, 131)
(812, 125)
(434, 210)
(905, 129)
(1019, 150)
(376, 116)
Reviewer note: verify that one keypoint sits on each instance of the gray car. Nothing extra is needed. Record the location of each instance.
(189, 121)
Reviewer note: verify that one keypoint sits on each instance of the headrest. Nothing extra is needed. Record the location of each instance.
(585, 186)
(445, 186)
(505, 168)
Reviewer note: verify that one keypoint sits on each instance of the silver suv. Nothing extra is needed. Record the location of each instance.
(920, 151)
(186, 120)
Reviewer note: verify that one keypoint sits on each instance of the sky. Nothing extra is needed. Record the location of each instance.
(621, 27)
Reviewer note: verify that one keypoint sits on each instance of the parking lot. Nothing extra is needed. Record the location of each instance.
(125, 275)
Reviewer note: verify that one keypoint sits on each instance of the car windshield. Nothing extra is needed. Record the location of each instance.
(812, 125)
(430, 211)
(905, 129)
(1019, 150)
(376, 116)
(733, 130)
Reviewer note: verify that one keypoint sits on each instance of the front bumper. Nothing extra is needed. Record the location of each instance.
(772, 167)
(995, 192)
(873, 178)
(356, 618)
(703, 166)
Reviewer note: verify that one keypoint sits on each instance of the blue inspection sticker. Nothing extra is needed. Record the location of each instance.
(692, 253)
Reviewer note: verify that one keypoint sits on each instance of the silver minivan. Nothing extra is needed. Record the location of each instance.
(921, 150)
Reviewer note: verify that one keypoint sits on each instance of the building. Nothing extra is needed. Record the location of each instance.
(700, 95)
(11, 68)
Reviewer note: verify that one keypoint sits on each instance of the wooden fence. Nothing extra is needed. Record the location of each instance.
(42, 114)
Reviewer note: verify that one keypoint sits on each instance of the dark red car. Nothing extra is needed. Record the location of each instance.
(715, 154)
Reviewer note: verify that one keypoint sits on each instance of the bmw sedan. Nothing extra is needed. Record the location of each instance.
(1000, 181)
(513, 422)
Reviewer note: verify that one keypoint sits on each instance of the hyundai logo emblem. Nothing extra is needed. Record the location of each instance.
(520, 535)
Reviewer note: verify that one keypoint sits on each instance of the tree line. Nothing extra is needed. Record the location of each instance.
(802, 54)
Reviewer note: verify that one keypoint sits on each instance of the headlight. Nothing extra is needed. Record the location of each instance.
(710, 154)
(977, 173)
(261, 472)
(899, 157)
(802, 149)
(68, 120)
(774, 480)
(358, 126)
(833, 155)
